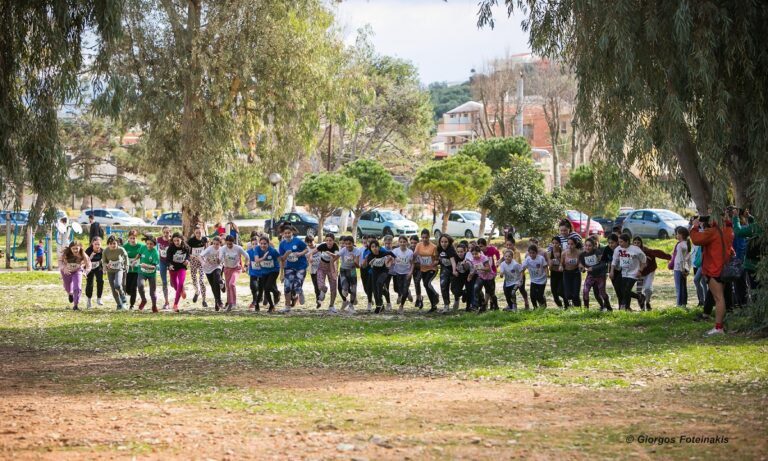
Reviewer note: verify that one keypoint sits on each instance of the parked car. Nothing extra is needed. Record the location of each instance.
(463, 223)
(619, 221)
(652, 222)
(336, 218)
(579, 221)
(110, 217)
(305, 224)
(607, 223)
(19, 218)
(172, 218)
(385, 222)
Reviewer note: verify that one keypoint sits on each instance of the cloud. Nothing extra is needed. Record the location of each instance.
(440, 38)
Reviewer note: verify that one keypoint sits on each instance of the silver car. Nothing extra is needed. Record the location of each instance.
(653, 222)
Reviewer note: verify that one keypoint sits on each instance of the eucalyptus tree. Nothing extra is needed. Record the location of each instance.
(218, 86)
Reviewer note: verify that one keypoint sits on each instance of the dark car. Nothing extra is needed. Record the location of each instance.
(607, 223)
(172, 218)
(305, 224)
(619, 221)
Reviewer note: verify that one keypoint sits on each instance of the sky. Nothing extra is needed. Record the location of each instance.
(441, 38)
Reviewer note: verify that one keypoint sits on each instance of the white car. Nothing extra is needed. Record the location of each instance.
(337, 216)
(110, 217)
(464, 223)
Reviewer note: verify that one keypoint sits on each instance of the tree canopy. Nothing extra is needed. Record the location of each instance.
(445, 97)
(322, 193)
(378, 186)
(496, 152)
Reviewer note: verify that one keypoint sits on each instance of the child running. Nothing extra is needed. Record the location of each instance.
(149, 260)
(115, 260)
(314, 263)
(75, 262)
(648, 273)
(348, 255)
(269, 269)
(178, 262)
(212, 262)
(630, 260)
(596, 269)
(482, 277)
(162, 247)
(681, 265)
(403, 269)
(232, 256)
(426, 254)
(96, 273)
(537, 267)
(555, 254)
(447, 257)
(569, 264)
(413, 241)
(379, 260)
(493, 257)
(512, 272)
(293, 262)
(132, 249)
(510, 244)
(460, 283)
(327, 270)
(197, 243)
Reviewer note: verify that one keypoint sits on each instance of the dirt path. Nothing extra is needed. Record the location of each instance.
(70, 407)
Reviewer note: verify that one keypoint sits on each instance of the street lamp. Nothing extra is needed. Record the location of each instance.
(274, 179)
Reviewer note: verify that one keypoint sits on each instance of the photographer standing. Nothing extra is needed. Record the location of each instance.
(717, 244)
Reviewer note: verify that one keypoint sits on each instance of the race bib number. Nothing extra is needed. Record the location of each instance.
(349, 259)
(590, 260)
(255, 265)
(461, 267)
(73, 267)
(114, 265)
(445, 261)
(401, 261)
(213, 260)
(293, 258)
(197, 251)
(230, 259)
(571, 261)
(163, 252)
(425, 260)
(378, 262)
(134, 263)
(148, 268)
(179, 257)
(555, 262)
(625, 262)
(267, 264)
(95, 265)
(536, 271)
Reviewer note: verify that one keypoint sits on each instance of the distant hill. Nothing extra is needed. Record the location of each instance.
(445, 96)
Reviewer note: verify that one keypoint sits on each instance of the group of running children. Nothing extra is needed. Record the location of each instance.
(466, 271)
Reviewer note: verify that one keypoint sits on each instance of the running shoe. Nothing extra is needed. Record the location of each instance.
(715, 332)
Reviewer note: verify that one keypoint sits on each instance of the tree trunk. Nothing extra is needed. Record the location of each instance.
(555, 160)
(483, 219)
(446, 215)
(589, 223)
(573, 146)
(320, 224)
(34, 216)
(356, 220)
(190, 217)
(688, 158)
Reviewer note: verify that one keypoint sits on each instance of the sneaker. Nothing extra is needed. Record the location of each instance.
(648, 306)
(301, 298)
(166, 306)
(378, 309)
(141, 305)
(286, 310)
(370, 306)
(223, 287)
(432, 309)
(98, 301)
(218, 306)
(154, 308)
(205, 304)
(320, 296)
(420, 302)
(131, 307)
(332, 310)
(482, 309)
(123, 300)
(229, 307)
(75, 308)
(715, 332)
(119, 307)
(71, 299)
(318, 305)
(88, 304)
(351, 310)
(277, 297)
(388, 307)
(641, 301)
(409, 297)
(344, 305)
(702, 317)
(194, 298)
(442, 310)
(603, 309)
(401, 310)
(455, 304)
(509, 308)
(175, 308)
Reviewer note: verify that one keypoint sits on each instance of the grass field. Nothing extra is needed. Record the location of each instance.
(544, 384)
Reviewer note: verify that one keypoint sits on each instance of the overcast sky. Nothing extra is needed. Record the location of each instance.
(440, 37)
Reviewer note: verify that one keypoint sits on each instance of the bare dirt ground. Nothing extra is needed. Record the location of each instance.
(57, 407)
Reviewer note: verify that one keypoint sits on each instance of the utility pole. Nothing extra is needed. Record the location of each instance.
(330, 137)
(519, 118)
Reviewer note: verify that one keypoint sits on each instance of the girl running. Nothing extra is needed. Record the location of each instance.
(75, 261)
(447, 257)
(232, 256)
(555, 255)
(365, 271)
(268, 259)
(566, 233)
(115, 260)
(648, 273)
(512, 272)
(293, 261)
(569, 264)
(328, 257)
(348, 273)
(96, 273)
(378, 260)
(197, 243)
(414, 240)
(389, 246)
(681, 265)
(149, 260)
(426, 254)
(403, 270)
(254, 272)
(212, 262)
(482, 277)
(460, 284)
(596, 268)
(162, 247)
(493, 257)
(178, 261)
(314, 262)
(630, 260)
(132, 249)
(537, 267)
(510, 244)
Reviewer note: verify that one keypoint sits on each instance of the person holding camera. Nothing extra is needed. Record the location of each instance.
(717, 244)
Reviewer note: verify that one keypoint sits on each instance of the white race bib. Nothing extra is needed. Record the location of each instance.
(445, 261)
(625, 262)
(255, 265)
(114, 265)
(179, 257)
(349, 259)
(425, 260)
(293, 258)
(590, 260)
(401, 260)
(231, 259)
(378, 262)
(73, 267)
(163, 252)
(197, 251)
(148, 268)
(95, 265)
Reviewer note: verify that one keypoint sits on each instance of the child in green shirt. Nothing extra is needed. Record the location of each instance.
(149, 260)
